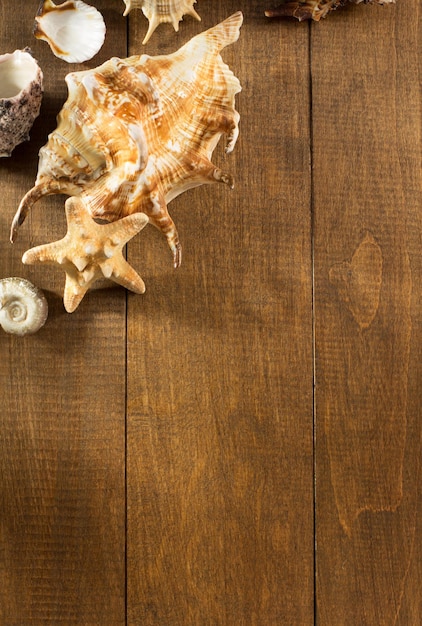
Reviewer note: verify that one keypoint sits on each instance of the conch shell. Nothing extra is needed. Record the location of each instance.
(23, 307)
(74, 30)
(314, 9)
(21, 90)
(162, 11)
(135, 133)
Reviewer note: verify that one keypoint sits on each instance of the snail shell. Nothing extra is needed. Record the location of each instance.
(23, 307)
(20, 98)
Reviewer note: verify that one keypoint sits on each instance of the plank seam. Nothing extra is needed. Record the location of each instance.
(312, 225)
(126, 414)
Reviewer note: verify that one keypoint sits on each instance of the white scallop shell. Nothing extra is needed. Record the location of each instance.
(23, 307)
(162, 11)
(74, 30)
(20, 98)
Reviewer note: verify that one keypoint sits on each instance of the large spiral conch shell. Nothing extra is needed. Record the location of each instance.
(21, 92)
(162, 11)
(314, 9)
(135, 133)
(23, 307)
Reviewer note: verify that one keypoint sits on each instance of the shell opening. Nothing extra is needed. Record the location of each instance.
(17, 71)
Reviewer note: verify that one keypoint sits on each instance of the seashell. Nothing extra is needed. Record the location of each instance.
(21, 89)
(135, 133)
(162, 11)
(90, 251)
(23, 307)
(74, 30)
(314, 9)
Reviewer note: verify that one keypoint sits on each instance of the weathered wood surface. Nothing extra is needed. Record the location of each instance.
(220, 524)
(366, 120)
(160, 455)
(62, 393)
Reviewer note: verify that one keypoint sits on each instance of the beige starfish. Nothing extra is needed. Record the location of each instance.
(90, 251)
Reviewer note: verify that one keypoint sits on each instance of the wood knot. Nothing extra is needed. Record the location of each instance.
(358, 281)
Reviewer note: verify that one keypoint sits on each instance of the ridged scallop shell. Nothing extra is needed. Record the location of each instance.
(21, 90)
(135, 133)
(162, 11)
(23, 307)
(74, 30)
(314, 9)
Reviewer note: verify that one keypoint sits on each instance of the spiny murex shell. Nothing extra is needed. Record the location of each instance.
(314, 9)
(162, 11)
(21, 92)
(74, 30)
(23, 307)
(135, 133)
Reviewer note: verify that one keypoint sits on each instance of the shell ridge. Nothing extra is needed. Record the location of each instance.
(223, 34)
(74, 129)
(68, 25)
(78, 141)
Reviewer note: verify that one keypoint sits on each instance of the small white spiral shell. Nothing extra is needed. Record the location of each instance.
(23, 307)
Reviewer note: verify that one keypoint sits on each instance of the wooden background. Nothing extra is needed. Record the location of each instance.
(241, 446)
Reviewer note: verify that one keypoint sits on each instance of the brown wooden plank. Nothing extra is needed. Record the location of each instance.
(62, 392)
(367, 198)
(220, 522)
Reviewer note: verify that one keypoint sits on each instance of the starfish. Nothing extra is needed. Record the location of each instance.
(90, 251)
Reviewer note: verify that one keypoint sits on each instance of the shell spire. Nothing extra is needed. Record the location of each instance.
(23, 307)
(136, 133)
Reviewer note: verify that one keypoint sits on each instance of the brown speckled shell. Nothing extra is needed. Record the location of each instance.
(18, 113)
(314, 9)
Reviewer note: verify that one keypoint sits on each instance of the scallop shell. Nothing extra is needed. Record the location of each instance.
(162, 11)
(23, 307)
(21, 89)
(74, 30)
(135, 133)
(314, 9)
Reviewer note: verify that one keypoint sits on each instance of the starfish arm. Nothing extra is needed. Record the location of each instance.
(48, 253)
(73, 293)
(123, 274)
(124, 229)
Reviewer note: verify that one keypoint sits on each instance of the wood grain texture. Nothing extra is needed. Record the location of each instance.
(220, 523)
(199, 510)
(62, 392)
(367, 198)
